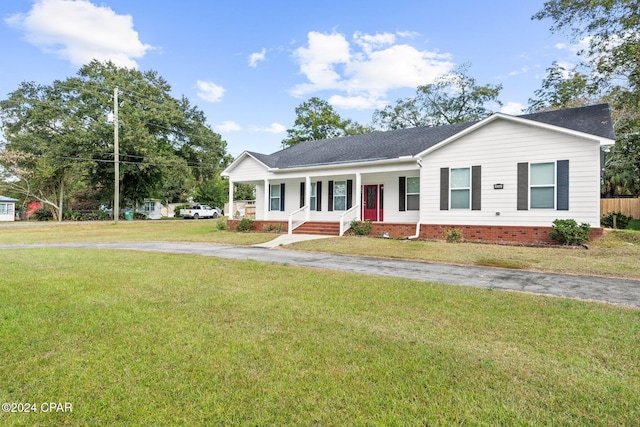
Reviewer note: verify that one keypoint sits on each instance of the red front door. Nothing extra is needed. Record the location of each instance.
(372, 203)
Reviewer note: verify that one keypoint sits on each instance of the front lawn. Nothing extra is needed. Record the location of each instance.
(615, 255)
(132, 338)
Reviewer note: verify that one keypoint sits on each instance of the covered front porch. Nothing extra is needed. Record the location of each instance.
(327, 203)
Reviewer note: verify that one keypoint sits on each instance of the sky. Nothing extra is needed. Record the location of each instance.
(247, 64)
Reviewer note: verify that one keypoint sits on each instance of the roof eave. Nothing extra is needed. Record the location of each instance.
(403, 159)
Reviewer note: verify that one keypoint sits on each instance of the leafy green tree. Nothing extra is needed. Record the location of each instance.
(453, 98)
(611, 28)
(562, 88)
(39, 124)
(317, 119)
(166, 149)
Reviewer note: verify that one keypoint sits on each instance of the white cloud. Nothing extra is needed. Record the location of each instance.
(256, 57)
(228, 126)
(512, 108)
(517, 72)
(79, 32)
(274, 128)
(364, 70)
(210, 91)
(356, 102)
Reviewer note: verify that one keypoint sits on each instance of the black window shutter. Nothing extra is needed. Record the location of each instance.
(269, 196)
(444, 189)
(302, 188)
(349, 193)
(476, 187)
(330, 196)
(403, 193)
(282, 197)
(319, 196)
(523, 186)
(563, 185)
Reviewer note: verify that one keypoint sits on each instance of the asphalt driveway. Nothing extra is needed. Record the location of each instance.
(617, 291)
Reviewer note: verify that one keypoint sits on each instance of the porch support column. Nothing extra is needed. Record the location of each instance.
(230, 212)
(359, 194)
(266, 199)
(307, 198)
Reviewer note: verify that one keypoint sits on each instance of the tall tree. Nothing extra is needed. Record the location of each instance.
(162, 139)
(453, 98)
(611, 28)
(562, 88)
(317, 119)
(39, 125)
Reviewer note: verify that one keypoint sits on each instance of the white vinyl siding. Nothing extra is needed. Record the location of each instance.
(498, 148)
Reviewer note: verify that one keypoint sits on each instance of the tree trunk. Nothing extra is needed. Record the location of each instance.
(61, 201)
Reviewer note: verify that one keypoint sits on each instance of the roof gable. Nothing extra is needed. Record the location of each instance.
(593, 120)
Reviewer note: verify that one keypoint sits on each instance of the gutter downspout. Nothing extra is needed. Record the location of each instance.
(415, 236)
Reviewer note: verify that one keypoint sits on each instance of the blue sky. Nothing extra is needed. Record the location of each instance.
(248, 64)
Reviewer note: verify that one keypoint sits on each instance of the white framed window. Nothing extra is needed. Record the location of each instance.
(149, 206)
(274, 197)
(4, 209)
(413, 193)
(340, 195)
(460, 188)
(542, 188)
(313, 197)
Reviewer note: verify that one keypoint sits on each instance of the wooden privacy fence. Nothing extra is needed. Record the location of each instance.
(629, 207)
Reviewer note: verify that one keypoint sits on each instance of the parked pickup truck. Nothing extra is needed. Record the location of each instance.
(200, 211)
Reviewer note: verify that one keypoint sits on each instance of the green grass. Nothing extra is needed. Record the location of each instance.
(615, 255)
(135, 338)
(201, 231)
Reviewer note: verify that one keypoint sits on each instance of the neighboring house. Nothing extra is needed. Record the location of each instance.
(7, 209)
(151, 208)
(504, 178)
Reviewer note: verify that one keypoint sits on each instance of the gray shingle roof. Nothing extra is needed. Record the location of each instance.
(594, 120)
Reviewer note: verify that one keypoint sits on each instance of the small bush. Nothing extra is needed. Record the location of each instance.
(361, 228)
(622, 221)
(245, 224)
(277, 228)
(42, 215)
(568, 232)
(98, 215)
(221, 224)
(453, 236)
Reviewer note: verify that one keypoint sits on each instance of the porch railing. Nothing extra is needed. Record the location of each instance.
(346, 218)
(297, 218)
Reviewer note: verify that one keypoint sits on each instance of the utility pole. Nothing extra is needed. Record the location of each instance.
(116, 159)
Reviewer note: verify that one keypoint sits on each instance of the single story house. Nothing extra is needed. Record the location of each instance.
(7, 209)
(501, 179)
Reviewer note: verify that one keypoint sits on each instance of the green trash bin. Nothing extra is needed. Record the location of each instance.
(128, 215)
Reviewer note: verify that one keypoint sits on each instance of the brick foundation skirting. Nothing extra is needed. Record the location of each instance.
(470, 233)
